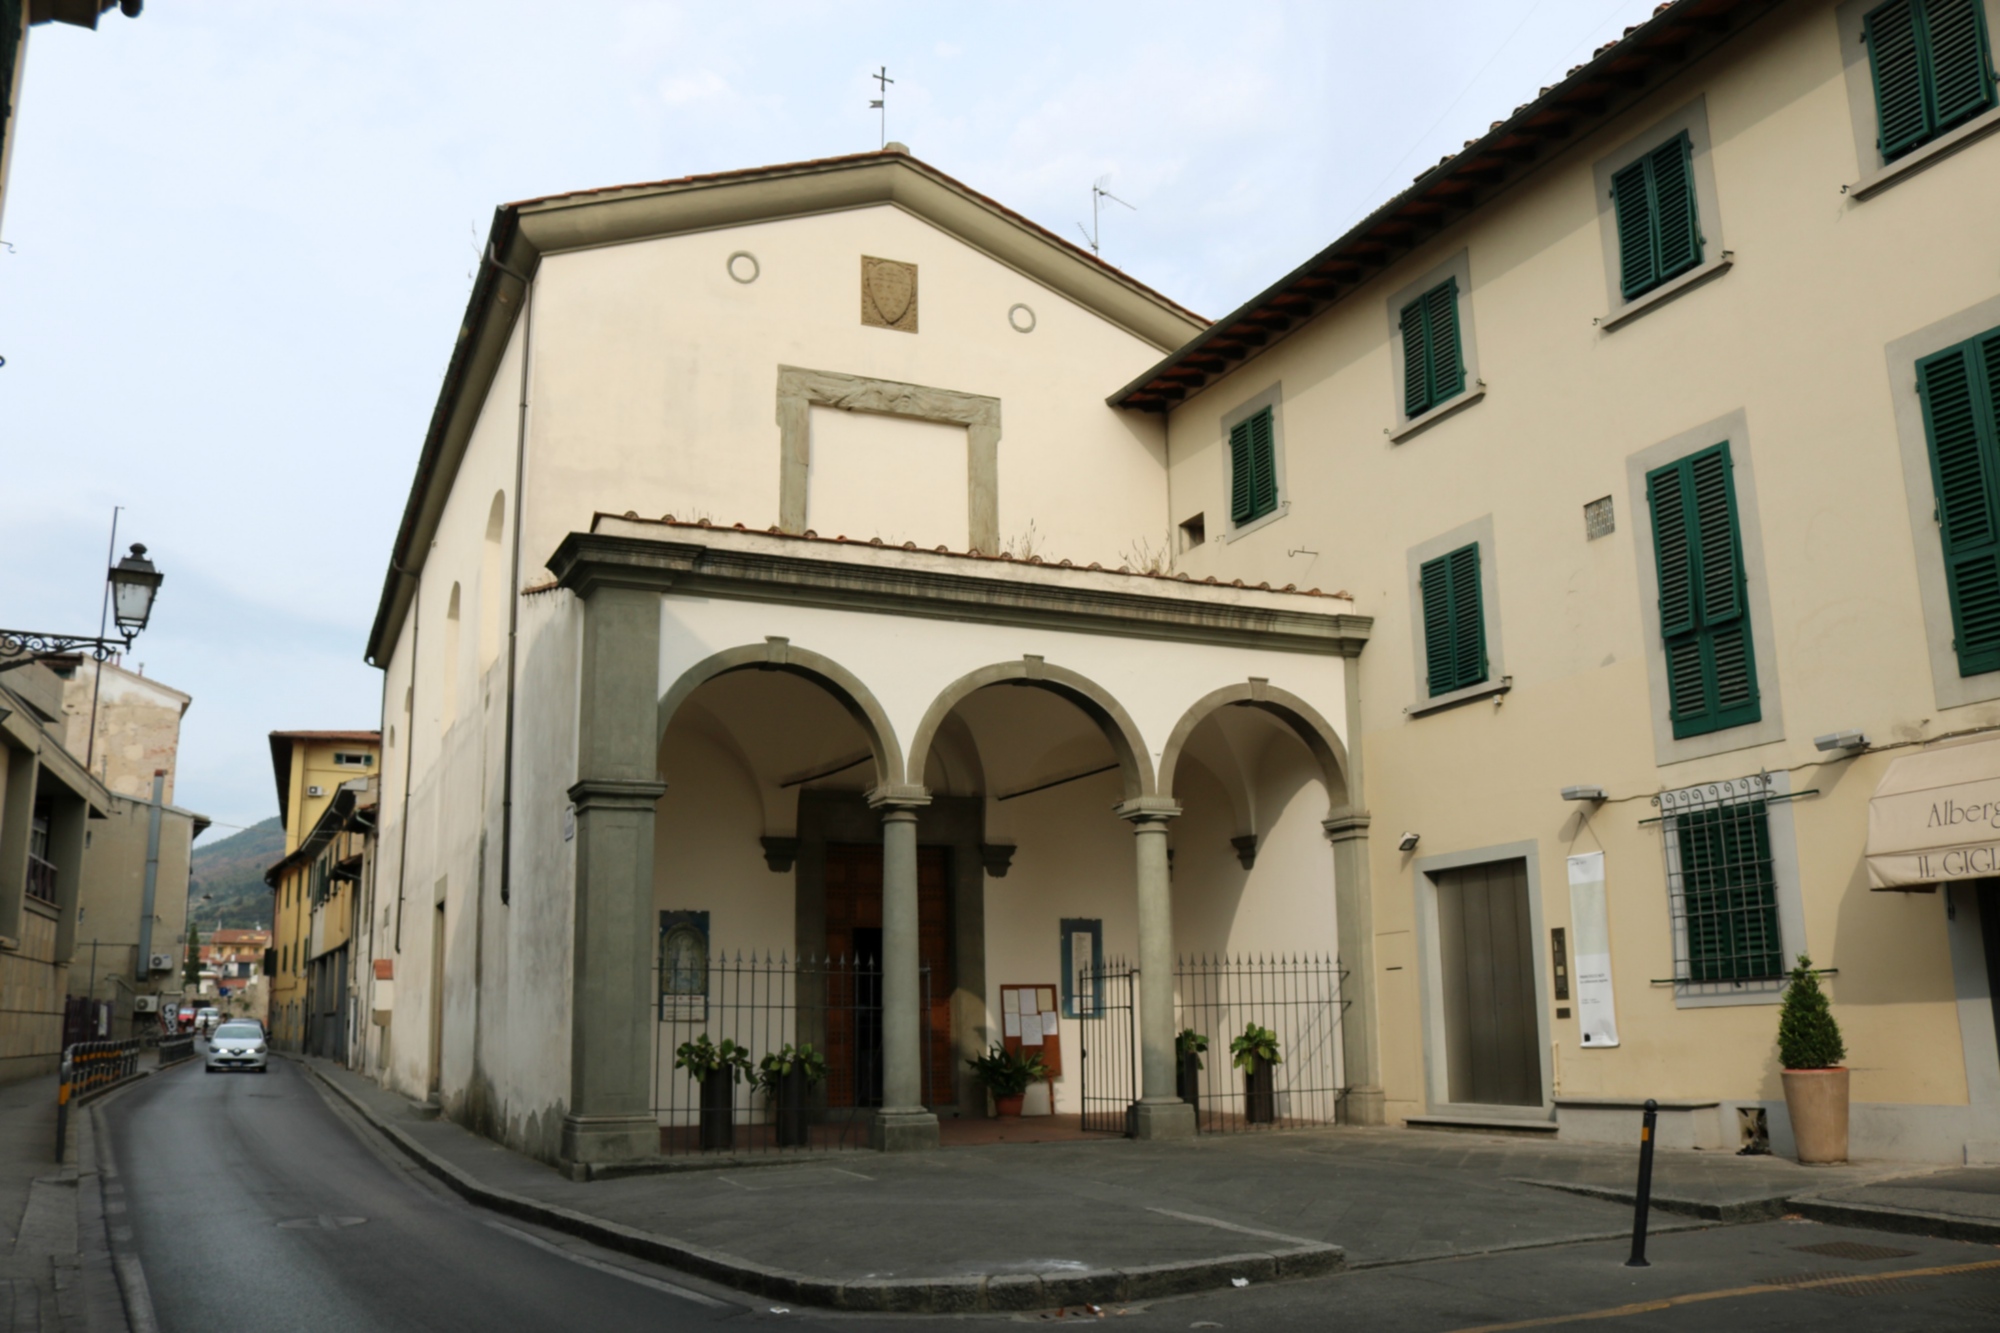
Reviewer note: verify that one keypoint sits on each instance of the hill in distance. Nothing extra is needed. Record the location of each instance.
(231, 872)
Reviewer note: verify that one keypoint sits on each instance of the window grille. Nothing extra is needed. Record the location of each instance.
(1721, 888)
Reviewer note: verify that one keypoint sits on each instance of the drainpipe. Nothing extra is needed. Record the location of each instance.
(409, 743)
(144, 970)
(514, 577)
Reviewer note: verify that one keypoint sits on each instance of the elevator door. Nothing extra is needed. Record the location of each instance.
(1486, 963)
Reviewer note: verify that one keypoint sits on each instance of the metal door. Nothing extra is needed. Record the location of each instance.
(1486, 964)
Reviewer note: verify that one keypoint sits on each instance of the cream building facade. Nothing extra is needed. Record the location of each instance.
(1608, 429)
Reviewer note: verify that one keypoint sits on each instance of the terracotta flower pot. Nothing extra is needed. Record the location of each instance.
(1817, 1101)
(1010, 1106)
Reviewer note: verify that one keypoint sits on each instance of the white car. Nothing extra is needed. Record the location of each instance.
(238, 1045)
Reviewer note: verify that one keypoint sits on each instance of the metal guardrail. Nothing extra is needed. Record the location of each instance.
(173, 1050)
(86, 1066)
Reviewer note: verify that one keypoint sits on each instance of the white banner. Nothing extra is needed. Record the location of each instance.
(1590, 951)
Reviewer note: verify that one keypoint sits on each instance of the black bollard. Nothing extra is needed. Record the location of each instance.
(1645, 1198)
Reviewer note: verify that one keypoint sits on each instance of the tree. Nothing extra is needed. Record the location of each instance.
(191, 969)
(1808, 1038)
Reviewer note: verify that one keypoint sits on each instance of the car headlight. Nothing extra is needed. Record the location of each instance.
(257, 1050)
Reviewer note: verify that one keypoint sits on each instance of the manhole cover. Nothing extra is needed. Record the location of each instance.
(1853, 1249)
(320, 1223)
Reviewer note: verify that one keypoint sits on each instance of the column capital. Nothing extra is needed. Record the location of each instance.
(1147, 809)
(615, 794)
(1346, 825)
(893, 796)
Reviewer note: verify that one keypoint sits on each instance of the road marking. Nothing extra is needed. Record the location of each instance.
(1730, 1293)
(655, 1283)
(1232, 1226)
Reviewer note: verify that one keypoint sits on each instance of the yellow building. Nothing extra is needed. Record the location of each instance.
(314, 771)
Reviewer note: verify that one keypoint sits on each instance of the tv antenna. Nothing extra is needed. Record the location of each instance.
(1097, 192)
(881, 103)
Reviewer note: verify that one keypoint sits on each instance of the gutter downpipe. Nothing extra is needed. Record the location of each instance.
(514, 577)
(409, 743)
(143, 968)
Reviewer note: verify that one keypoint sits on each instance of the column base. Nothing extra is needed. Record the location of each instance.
(1364, 1106)
(609, 1138)
(903, 1129)
(1166, 1118)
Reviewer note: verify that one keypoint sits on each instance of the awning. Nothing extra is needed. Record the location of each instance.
(1936, 817)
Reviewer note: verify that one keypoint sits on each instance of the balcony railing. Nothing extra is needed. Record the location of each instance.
(41, 880)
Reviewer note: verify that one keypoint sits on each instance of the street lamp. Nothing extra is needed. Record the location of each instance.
(134, 584)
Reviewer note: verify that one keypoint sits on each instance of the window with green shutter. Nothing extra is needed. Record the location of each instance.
(1659, 228)
(10, 45)
(1454, 621)
(1253, 469)
(1433, 361)
(1960, 391)
(1933, 69)
(1704, 606)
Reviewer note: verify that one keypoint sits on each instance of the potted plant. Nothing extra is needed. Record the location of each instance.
(1256, 1053)
(1006, 1074)
(787, 1076)
(1811, 1052)
(1189, 1047)
(716, 1069)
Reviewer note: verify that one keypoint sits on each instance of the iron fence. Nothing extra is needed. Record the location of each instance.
(803, 1043)
(1287, 1007)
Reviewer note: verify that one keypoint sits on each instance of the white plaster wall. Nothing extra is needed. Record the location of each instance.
(887, 477)
(654, 387)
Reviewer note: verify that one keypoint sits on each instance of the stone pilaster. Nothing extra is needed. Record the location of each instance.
(1159, 1113)
(1360, 1037)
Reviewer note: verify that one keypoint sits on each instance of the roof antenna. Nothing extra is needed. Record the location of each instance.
(881, 77)
(1097, 192)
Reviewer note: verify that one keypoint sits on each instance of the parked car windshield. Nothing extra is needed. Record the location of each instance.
(240, 1032)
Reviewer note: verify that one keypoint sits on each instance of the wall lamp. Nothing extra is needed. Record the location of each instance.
(1841, 740)
(1583, 793)
(1408, 842)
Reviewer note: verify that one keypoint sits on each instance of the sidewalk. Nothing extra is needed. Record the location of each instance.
(1032, 1226)
(55, 1265)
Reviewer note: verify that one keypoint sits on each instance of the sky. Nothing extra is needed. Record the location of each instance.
(239, 236)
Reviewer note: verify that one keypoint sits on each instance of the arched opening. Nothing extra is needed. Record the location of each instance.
(493, 589)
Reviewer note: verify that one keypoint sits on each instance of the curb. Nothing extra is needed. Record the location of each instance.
(941, 1295)
(1742, 1210)
(1910, 1221)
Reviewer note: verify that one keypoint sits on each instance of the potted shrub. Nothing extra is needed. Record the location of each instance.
(1811, 1052)
(787, 1076)
(1256, 1054)
(1189, 1047)
(1006, 1074)
(716, 1069)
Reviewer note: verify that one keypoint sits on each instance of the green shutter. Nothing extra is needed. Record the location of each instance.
(1433, 359)
(1659, 221)
(10, 45)
(1253, 468)
(1932, 69)
(1961, 79)
(1704, 613)
(1454, 621)
(1960, 389)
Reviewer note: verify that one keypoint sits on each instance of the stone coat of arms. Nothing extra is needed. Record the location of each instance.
(888, 294)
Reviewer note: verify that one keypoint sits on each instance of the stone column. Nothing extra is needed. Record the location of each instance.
(610, 1114)
(1354, 909)
(904, 1123)
(1159, 1113)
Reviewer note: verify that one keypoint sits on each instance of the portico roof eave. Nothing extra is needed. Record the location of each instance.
(893, 581)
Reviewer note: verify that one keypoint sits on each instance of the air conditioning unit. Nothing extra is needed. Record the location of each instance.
(162, 962)
(315, 791)
(145, 1004)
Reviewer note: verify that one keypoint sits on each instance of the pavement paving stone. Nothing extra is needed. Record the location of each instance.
(1080, 1215)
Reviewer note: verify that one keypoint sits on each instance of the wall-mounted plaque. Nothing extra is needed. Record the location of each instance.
(888, 294)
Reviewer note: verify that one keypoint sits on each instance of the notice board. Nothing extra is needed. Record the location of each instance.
(1028, 1021)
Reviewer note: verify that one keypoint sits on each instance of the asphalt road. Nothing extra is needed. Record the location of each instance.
(254, 1204)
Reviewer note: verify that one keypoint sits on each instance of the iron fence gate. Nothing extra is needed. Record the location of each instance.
(809, 1033)
(1109, 1052)
(1295, 1002)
